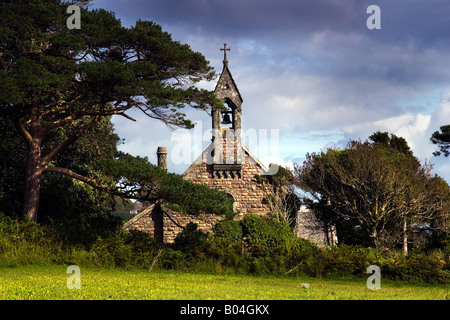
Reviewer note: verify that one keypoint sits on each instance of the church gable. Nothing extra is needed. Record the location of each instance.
(246, 189)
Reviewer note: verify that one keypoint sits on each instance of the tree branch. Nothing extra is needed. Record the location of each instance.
(137, 194)
(82, 178)
(70, 140)
(84, 111)
(62, 108)
(20, 128)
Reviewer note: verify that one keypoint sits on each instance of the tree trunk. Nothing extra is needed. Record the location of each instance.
(373, 237)
(373, 241)
(405, 238)
(33, 178)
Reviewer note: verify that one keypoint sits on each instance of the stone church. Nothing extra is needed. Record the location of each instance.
(226, 164)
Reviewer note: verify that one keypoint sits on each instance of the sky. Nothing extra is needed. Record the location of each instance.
(312, 74)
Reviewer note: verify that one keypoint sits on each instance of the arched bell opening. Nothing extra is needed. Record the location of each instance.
(228, 116)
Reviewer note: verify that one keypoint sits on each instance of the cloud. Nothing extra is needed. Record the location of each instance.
(312, 67)
(245, 18)
(441, 115)
(410, 126)
(416, 128)
(311, 103)
(425, 23)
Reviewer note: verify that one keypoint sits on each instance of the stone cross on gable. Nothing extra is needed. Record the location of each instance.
(225, 49)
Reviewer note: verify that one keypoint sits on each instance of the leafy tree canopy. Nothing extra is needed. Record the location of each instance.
(377, 187)
(59, 83)
(138, 179)
(442, 139)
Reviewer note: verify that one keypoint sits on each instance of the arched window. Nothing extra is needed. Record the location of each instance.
(229, 195)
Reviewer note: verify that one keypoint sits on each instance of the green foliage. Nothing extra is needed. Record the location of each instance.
(141, 180)
(369, 190)
(59, 86)
(172, 259)
(228, 229)
(12, 167)
(193, 198)
(80, 211)
(190, 238)
(393, 142)
(77, 210)
(446, 246)
(122, 208)
(23, 243)
(442, 139)
(41, 55)
(266, 232)
(28, 243)
(281, 179)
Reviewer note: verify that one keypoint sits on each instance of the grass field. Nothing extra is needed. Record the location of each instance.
(50, 282)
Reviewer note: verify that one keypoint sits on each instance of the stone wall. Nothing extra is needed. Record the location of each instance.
(175, 222)
(247, 193)
(150, 221)
(308, 227)
(164, 225)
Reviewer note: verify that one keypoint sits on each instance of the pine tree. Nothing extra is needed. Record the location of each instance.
(53, 77)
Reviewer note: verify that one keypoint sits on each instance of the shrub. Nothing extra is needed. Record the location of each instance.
(446, 246)
(303, 244)
(171, 259)
(415, 267)
(266, 232)
(271, 253)
(191, 239)
(23, 243)
(26, 242)
(228, 229)
(227, 253)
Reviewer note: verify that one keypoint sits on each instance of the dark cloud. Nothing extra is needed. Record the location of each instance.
(426, 22)
(249, 17)
(325, 39)
(312, 65)
(320, 37)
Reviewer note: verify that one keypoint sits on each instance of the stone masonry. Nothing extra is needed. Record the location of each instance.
(248, 194)
(163, 225)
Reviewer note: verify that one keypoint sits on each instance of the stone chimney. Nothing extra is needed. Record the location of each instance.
(162, 157)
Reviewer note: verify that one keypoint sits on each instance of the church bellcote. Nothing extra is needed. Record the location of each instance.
(226, 124)
(228, 92)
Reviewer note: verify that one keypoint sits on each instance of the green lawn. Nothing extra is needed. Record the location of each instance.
(50, 282)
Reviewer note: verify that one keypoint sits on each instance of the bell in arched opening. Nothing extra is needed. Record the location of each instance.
(226, 119)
